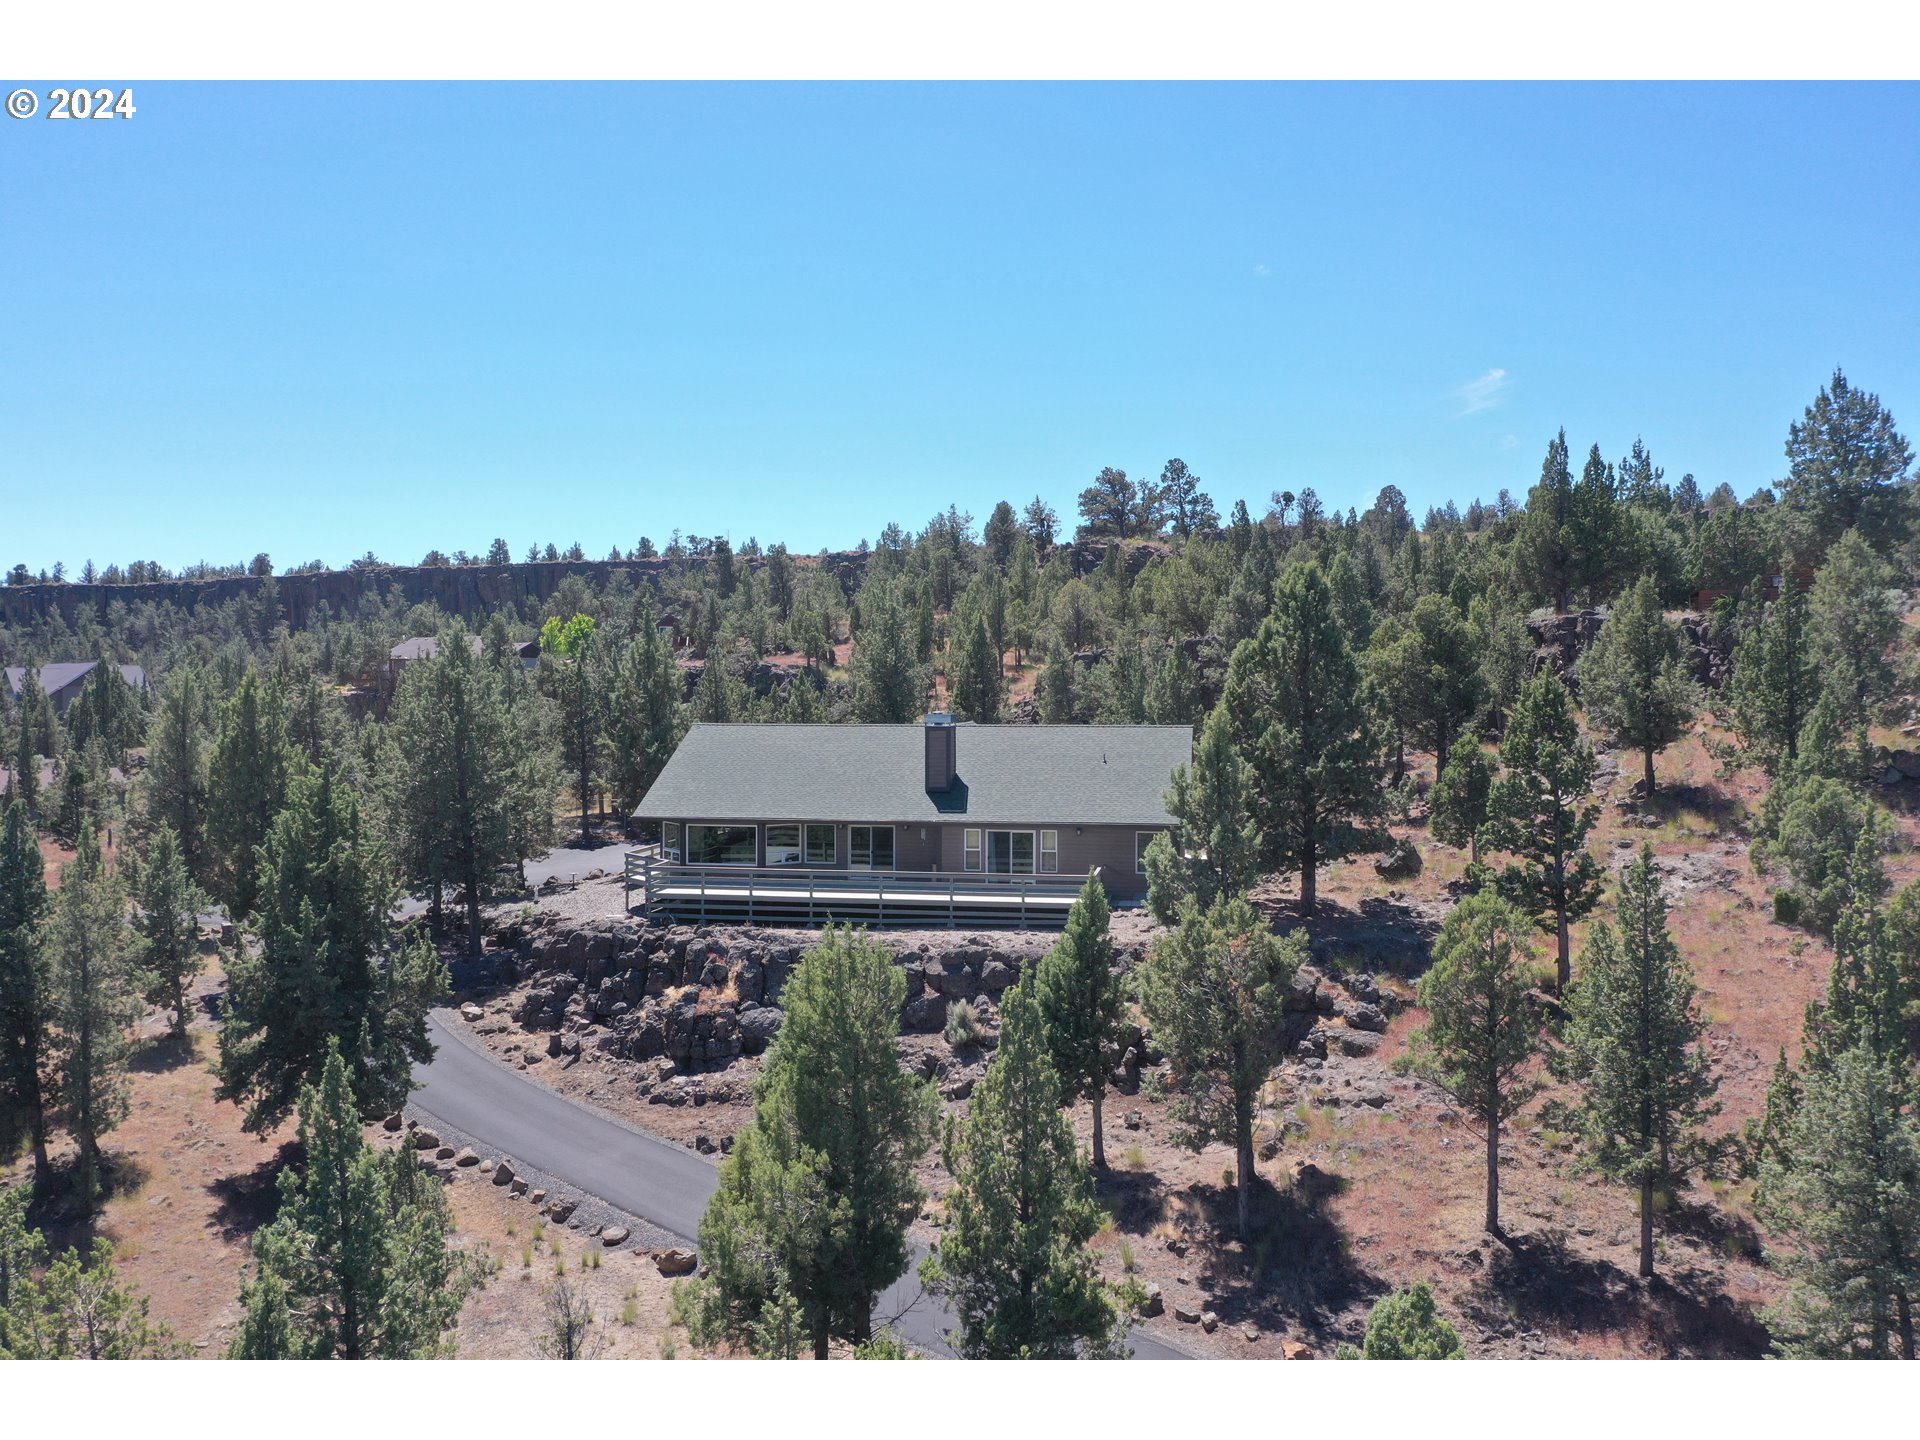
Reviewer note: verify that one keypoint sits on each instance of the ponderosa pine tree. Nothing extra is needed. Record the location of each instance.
(329, 967)
(1294, 698)
(94, 998)
(167, 907)
(1461, 797)
(979, 689)
(1012, 1260)
(819, 1190)
(1773, 684)
(1214, 849)
(1847, 463)
(1593, 533)
(1214, 990)
(643, 709)
(1080, 1004)
(1545, 553)
(246, 788)
(1632, 679)
(889, 682)
(1633, 1045)
(1540, 814)
(1849, 1195)
(176, 778)
(107, 713)
(25, 987)
(25, 791)
(1481, 1034)
(1446, 655)
(569, 657)
(356, 1265)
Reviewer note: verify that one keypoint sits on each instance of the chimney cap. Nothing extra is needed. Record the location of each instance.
(939, 717)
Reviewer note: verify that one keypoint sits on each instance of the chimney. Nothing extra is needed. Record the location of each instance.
(942, 765)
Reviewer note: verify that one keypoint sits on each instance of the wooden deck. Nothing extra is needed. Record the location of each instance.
(797, 895)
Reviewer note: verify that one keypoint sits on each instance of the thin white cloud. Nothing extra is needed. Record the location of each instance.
(1485, 393)
(1261, 272)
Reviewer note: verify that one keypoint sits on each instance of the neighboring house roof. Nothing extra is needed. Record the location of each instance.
(59, 676)
(1007, 774)
(425, 647)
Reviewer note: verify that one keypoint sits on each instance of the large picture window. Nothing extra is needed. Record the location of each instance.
(722, 845)
(820, 845)
(1010, 852)
(783, 844)
(870, 847)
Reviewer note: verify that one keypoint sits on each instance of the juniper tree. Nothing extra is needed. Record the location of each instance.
(1538, 814)
(978, 688)
(78, 1308)
(26, 998)
(643, 709)
(1058, 683)
(1214, 848)
(246, 786)
(819, 1190)
(1406, 1325)
(1012, 1260)
(1871, 985)
(26, 767)
(1481, 1034)
(1461, 797)
(167, 906)
(889, 681)
(356, 1265)
(1632, 679)
(1445, 656)
(93, 990)
(1299, 717)
(328, 968)
(1080, 1005)
(1773, 684)
(1633, 1044)
(1853, 622)
(1214, 991)
(1173, 696)
(1849, 1194)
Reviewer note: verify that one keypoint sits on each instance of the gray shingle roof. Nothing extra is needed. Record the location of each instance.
(1065, 774)
(425, 647)
(62, 673)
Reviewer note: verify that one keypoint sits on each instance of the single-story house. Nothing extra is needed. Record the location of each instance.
(64, 680)
(938, 799)
(425, 647)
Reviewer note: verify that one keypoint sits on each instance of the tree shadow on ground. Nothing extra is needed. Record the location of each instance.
(59, 1210)
(252, 1198)
(1538, 1282)
(1728, 1233)
(1709, 803)
(161, 1053)
(1381, 936)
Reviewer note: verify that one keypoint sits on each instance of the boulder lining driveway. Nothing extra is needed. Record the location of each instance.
(664, 1184)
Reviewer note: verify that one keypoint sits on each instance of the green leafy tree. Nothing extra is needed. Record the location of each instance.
(1632, 679)
(77, 1308)
(1854, 621)
(1462, 797)
(1850, 1199)
(246, 787)
(1406, 1325)
(1013, 1260)
(1080, 1004)
(819, 1190)
(568, 656)
(94, 995)
(1300, 720)
(1773, 685)
(1446, 656)
(167, 908)
(1538, 814)
(1188, 507)
(1847, 468)
(357, 1264)
(644, 722)
(328, 967)
(1214, 849)
(1110, 505)
(1214, 991)
(1634, 1045)
(1818, 834)
(26, 998)
(1481, 1036)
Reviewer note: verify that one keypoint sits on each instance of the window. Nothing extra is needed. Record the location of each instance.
(1010, 852)
(670, 840)
(783, 844)
(870, 847)
(1049, 852)
(820, 845)
(723, 845)
(971, 842)
(1141, 839)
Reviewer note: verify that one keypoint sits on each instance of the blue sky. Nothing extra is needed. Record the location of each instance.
(318, 320)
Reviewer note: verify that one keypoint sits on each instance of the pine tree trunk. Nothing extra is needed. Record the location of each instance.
(1493, 1177)
(1904, 1303)
(473, 918)
(1243, 1157)
(1099, 1128)
(1308, 889)
(1565, 972)
(1649, 772)
(1646, 1229)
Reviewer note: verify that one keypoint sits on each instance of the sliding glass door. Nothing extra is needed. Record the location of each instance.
(1010, 852)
